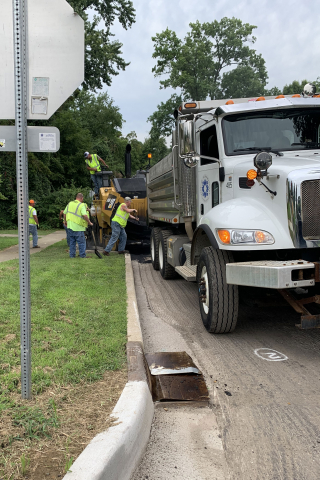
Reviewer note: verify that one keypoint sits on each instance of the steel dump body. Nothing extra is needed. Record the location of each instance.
(171, 190)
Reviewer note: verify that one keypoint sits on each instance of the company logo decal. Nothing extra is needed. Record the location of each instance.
(205, 188)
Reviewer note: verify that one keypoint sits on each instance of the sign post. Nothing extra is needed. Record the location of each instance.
(42, 48)
(21, 85)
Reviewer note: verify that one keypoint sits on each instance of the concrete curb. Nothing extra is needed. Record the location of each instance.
(116, 453)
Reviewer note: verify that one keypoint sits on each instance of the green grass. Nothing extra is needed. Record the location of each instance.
(6, 242)
(78, 316)
(40, 232)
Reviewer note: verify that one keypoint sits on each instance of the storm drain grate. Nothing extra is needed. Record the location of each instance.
(175, 378)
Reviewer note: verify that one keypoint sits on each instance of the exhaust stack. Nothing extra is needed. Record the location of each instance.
(127, 161)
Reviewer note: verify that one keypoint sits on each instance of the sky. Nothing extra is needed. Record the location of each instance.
(288, 38)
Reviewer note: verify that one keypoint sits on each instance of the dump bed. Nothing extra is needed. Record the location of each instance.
(171, 190)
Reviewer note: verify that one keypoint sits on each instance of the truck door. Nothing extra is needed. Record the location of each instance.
(208, 184)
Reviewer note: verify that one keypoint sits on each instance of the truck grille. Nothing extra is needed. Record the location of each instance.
(310, 196)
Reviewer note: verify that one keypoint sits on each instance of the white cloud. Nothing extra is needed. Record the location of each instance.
(287, 37)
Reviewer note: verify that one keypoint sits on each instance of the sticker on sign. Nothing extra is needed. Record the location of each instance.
(47, 142)
(2, 143)
(270, 355)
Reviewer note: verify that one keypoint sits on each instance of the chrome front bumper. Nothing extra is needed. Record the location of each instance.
(272, 274)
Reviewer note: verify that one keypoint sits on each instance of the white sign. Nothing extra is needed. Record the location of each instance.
(55, 57)
(40, 139)
(270, 355)
(47, 142)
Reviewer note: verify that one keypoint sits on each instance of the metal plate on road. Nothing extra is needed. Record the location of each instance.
(164, 363)
(175, 377)
(40, 139)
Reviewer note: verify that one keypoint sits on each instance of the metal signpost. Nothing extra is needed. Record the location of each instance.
(42, 48)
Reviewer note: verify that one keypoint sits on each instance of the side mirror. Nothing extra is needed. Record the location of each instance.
(187, 139)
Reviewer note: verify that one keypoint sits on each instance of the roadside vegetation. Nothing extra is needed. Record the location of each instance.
(6, 242)
(78, 313)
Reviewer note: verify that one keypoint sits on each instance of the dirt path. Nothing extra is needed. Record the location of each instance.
(13, 252)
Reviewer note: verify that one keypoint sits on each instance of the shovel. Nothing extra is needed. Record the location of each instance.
(96, 251)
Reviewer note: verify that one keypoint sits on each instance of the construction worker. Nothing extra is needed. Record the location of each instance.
(76, 220)
(33, 224)
(92, 160)
(118, 225)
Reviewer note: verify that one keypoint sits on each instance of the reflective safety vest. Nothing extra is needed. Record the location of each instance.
(72, 214)
(121, 217)
(31, 218)
(94, 162)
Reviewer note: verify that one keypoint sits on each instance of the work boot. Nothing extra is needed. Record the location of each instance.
(105, 253)
(37, 246)
(122, 251)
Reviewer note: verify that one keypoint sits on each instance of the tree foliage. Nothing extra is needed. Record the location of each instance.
(195, 64)
(162, 120)
(103, 55)
(214, 60)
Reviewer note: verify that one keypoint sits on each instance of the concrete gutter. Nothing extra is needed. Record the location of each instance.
(116, 453)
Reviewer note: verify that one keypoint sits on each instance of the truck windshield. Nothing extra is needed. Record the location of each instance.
(278, 130)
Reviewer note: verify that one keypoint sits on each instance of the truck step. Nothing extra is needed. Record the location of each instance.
(271, 274)
(189, 273)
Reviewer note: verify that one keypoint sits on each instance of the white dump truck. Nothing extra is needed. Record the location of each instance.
(237, 203)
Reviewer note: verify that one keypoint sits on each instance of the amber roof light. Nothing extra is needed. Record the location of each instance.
(190, 105)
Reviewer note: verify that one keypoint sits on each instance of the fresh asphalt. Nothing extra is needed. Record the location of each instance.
(264, 419)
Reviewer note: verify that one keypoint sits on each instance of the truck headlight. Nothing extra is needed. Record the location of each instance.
(262, 161)
(252, 237)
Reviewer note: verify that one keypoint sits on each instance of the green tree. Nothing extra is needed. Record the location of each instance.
(274, 91)
(294, 87)
(86, 122)
(195, 63)
(162, 120)
(2, 197)
(158, 149)
(103, 55)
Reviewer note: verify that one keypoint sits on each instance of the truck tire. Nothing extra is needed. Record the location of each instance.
(220, 302)
(154, 247)
(167, 271)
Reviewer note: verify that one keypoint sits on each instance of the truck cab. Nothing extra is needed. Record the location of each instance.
(236, 203)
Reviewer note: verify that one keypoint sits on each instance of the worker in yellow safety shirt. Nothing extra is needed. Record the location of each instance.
(93, 165)
(76, 220)
(118, 225)
(33, 224)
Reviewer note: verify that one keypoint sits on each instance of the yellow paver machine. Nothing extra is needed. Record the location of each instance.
(111, 195)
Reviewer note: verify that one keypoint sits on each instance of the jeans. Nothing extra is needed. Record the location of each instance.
(75, 237)
(97, 182)
(34, 232)
(66, 229)
(117, 232)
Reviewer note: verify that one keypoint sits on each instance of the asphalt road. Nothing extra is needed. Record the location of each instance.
(264, 419)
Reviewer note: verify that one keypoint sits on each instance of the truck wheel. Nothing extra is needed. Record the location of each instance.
(154, 247)
(167, 271)
(218, 301)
